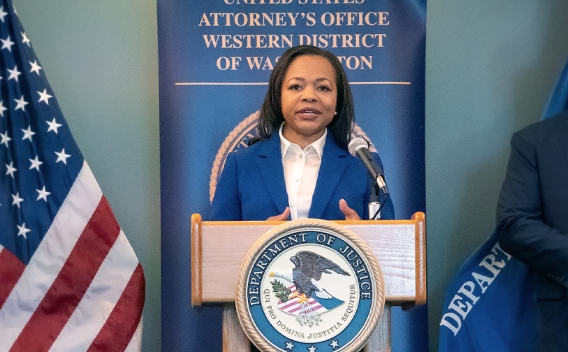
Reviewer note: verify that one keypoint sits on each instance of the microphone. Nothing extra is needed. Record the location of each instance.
(359, 147)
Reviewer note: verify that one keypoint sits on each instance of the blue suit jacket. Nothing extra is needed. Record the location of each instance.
(532, 213)
(252, 186)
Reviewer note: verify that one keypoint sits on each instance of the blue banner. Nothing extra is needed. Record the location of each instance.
(489, 306)
(215, 58)
(558, 100)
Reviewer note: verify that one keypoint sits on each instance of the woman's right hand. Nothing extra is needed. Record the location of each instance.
(282, 217)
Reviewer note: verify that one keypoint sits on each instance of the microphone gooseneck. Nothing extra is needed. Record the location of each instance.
(359, 147)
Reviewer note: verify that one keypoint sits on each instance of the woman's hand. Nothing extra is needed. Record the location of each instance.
(284, 216)
(349, 213)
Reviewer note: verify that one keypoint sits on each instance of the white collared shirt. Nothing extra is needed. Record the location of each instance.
(301, 168)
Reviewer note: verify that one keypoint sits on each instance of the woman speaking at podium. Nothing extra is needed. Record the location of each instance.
(300, 166)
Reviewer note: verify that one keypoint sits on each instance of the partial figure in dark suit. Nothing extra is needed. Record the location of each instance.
(532, 220)
(300, 166)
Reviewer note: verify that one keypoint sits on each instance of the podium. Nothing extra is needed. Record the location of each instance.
(218, 249)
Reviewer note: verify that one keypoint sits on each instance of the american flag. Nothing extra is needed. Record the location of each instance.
(69, 279)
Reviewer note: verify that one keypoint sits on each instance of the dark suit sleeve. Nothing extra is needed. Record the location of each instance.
(521, 227)
(226, 203)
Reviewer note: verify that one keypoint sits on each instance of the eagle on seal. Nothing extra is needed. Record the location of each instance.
(309, 267)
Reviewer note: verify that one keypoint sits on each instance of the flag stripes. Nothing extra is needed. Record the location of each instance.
(85, 238)
(120, 326)
(11, 268)
(69, 279)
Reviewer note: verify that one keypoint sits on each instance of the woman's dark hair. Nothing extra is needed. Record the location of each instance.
(270, 116)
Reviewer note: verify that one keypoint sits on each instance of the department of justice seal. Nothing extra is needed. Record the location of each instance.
(309, 285)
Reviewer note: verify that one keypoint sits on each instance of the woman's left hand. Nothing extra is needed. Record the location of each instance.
(349, 213)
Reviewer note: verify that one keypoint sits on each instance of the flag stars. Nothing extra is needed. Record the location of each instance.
(62, 156)
(5, 139)
(28, 133)
(2, 108)
(22, 230)
(11, 169)
(43, 96)
(312, 349)
(2, 13)
(53, 126)
(35, 67)
(25, 40)
(35, 163)
(21, 103)
(7, 44)
(14, 73)
(289, 346)
(16, 199)
(42, 194)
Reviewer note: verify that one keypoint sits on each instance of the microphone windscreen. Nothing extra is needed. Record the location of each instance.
(357, 143)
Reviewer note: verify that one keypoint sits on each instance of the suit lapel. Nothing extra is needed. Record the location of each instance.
(270, 165)
(330, 173)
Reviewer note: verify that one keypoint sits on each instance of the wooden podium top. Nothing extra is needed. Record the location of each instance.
(218, 248)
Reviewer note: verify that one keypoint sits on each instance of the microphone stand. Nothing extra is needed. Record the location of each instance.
(374, 203)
